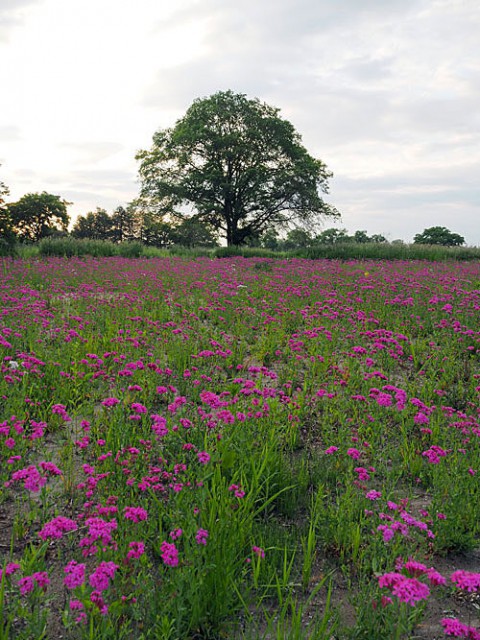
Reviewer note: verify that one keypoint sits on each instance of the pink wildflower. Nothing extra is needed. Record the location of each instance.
(57, 527)
(135, 514)
(201, 537)
(110, 402)
(330, 450)
(100, 578)
(466, 580)
(169, 553)
(203, 457)
(75, 575)
(353, 453)
(136, 549)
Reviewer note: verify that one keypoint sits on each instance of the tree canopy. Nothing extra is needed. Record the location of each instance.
(38, 215)
(7, 237)
(439, 235)
(240, 167)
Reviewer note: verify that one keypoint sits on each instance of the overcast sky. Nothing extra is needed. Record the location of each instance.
(385, 92)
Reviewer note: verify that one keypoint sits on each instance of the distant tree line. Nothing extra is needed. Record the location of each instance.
(42, 215)
(231, 168)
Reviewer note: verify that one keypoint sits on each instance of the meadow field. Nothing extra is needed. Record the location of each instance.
(239, 448)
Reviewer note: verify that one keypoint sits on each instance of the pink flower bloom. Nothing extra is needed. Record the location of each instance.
(10, 569)
(136, 549)
(51, 468)
(435, 577)
(258, 551)
(75, 575)
(100, 578)
(411, 590)
(110, 402)
(353, 453)
(201, 537)
(138, 408)
(26, 585)
(169, 554)
(330, 450)
(454, 627)
(203, 457)
(57, 527)
(32, 479)
(135, 514)
(373, 495)
(41, 578)
(466, 580)
(99, 602)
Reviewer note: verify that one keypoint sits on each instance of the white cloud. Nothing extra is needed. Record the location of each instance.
(386, 93)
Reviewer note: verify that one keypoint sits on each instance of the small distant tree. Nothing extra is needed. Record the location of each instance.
(270, 239)
(123, 225)
(84, 227)
(38, 215)
(7, 236)
(95, 225)
(377, 238)
(332, 236)
(439, 235)
(297, 239)
(192, 232)
(361, 236)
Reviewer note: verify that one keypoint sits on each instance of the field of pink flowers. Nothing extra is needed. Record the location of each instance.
(239, 448)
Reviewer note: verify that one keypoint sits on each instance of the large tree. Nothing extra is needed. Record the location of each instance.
(439, 235)
(238, 166)
(38, 215)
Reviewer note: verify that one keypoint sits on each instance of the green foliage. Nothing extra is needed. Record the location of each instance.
(99, 225)
(38, 215)
(241, 166)
(95, 225)
(191, 232)
(439, 235)
(7, 236)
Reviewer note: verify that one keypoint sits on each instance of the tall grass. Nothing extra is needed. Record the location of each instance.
(70, 247)
(376, 251)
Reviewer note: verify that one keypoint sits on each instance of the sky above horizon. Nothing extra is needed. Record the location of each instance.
(385, 92)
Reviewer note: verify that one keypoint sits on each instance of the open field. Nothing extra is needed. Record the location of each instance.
(239, 448)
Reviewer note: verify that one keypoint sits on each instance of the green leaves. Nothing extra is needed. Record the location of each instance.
(238, 164)
(38, 215)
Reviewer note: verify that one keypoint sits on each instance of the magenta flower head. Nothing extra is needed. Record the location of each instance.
(57, 527)
(136, 549)
(201, 537)
(169, 553)
(100, 578)
(203, 457)
(330, 450)
(110, 402)
(466, 580)
(353, 453)
(74, 574)
(135, 514)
